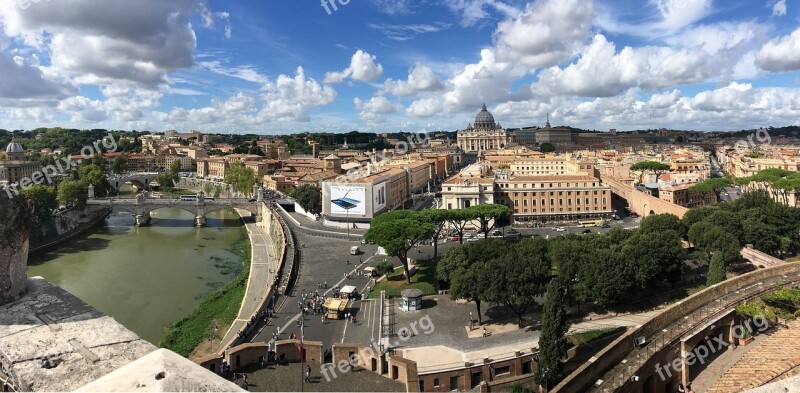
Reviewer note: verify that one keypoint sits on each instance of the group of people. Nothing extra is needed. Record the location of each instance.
(312, 303)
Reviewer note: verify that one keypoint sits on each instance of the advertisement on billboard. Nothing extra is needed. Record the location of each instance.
(348, 200)
(378, 197)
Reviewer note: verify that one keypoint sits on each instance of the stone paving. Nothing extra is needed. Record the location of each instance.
(771, 359)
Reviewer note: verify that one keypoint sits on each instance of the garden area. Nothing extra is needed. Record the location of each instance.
(395, 282)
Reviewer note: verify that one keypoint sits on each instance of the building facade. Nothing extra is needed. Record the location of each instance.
(485, 134)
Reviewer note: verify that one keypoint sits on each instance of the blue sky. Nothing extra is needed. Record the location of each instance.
(392, 65)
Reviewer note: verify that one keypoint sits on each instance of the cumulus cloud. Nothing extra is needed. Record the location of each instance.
(377, 105)
(25, 84)
(781, 54)
(362, 68)
(420, 79)
(546, 33)
(290, 98)
(97, 41)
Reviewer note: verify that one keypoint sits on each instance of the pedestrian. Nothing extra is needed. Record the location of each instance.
(484, 332)
(470, 315)
(308, 374)
(245, 378)
(326, 284)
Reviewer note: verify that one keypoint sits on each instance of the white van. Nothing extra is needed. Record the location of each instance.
(355, 250)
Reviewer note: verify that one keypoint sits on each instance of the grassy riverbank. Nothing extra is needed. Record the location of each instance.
(216, 312)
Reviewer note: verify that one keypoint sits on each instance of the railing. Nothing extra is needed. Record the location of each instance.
(443, 367)
(622, 373)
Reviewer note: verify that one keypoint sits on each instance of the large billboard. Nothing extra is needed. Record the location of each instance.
(348, 200)
(378, 197)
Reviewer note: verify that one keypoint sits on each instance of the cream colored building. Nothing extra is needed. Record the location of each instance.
(485, 134)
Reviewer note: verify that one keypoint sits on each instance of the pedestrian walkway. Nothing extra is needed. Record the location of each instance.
(773, 359)
(263, 265)
(437, 358)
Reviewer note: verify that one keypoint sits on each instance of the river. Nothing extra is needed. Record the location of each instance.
(148, 277)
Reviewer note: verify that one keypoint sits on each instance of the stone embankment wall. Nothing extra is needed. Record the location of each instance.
(15, 223)
(65, 226)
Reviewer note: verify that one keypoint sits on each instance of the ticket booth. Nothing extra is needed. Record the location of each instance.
(412, 300)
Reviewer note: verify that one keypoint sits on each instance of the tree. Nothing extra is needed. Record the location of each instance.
(94, 175)
(652, 166)
(553, 340)
(696, 215)
(240, 177)
(658, 223)
(714, 184)
(309, 198)
(519, 276)
(398, 232)
(762, 236)
(655, 258)
(45, 201)
(119, 165)
(716, 271)
(547, 147)
(489, 214)
(710, 238)
(438, 219)
(175, 169)
(165, 181)
(608, 278)
(72, 194)
(458, 219)
(384, 268)
(568, 255)
(728, 221)
(465, 268)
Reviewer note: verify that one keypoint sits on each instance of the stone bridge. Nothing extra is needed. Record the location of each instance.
(139, 180)
(639, 202)
(650, 358)
(141, 206)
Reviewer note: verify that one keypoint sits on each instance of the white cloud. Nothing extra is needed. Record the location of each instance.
(98, 41)
(378, 104)
(408, 32)
(289, 98)
(247, 73)
(472, 12)
(25, 84)
(779, 8)
(425, 107)
(362, 68)
(546, 33)
(781, 54)
(420, 79)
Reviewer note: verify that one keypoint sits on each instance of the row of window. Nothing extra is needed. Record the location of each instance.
(552, 202)
(550, 185)
(560, 193)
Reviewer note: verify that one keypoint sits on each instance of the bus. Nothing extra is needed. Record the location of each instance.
(590, 223)
(192, 198)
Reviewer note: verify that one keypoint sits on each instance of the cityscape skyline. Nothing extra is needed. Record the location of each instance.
(399, 65)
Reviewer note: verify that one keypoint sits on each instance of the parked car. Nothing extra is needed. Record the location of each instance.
(587, 231)
(513, 234)
(560, 229)
(496, 234)
(455, 238)
(473, 239)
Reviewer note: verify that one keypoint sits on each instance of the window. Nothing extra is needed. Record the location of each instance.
(502, 371)
(454, 382)
(421, 385)
(436, 382)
